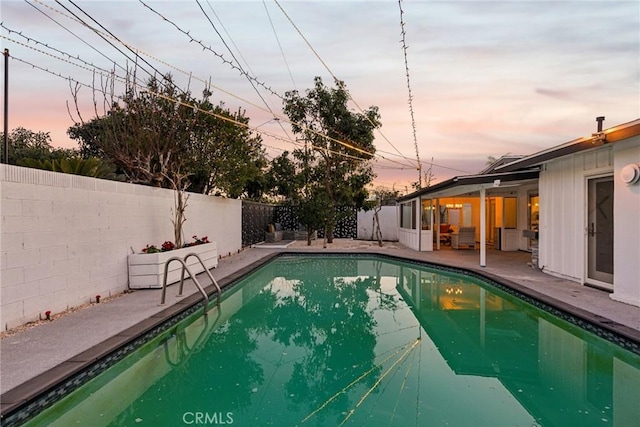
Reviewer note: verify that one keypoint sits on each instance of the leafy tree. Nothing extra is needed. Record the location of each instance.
(162, 136)
(226, 157)
(27, 144)
(339, 142)
(92, 166)
(299, 186)
(282, 177)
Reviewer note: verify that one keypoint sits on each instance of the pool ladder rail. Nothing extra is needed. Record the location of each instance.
(183, 261)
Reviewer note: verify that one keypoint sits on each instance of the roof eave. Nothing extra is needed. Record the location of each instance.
(611, 135)
(474, 180)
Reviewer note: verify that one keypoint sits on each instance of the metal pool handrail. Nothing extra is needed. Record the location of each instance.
(193, 278)
(206, 270)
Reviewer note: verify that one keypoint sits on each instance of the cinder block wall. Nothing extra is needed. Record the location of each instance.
(65, 239)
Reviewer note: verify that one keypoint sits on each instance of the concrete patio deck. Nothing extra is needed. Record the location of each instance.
(38, 356)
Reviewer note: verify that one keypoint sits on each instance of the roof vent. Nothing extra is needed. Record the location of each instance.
(599, 135)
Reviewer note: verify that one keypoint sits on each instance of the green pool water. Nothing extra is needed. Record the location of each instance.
(330, 341)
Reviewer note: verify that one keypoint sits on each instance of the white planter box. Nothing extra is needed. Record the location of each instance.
(146, 271)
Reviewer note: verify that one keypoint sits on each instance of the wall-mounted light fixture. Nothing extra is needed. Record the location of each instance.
(630, 174)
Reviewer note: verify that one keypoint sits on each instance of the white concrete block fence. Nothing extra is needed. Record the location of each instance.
(65, 239)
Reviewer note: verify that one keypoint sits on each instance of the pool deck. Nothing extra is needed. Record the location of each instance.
(41, 355)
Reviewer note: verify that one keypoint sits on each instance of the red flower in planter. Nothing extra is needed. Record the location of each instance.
(201, 240)
(168, 246)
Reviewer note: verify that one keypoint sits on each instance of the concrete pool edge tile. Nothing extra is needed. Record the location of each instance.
(37, 386)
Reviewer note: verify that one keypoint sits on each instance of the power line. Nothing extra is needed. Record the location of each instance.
(234, 66)
(208, 48)
(264, 101)
(338, 81)
(163, 96)
(68, 55)
(73, 34)
(138, 52)
(48, 54)
(78, 19)
(266, 9)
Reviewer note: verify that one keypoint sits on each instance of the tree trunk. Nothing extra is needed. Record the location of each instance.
(376, 220)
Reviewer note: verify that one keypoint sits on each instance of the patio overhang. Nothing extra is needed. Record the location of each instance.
(473, 184)
(481, 186)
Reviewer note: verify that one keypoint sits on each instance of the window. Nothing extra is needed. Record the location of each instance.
(408, 215)
(427, 214)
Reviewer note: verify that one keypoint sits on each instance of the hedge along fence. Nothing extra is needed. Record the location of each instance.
(65, 239)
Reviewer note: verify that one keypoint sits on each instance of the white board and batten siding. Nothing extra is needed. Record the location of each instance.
(562, 211)
(626, 205)
(563, 216)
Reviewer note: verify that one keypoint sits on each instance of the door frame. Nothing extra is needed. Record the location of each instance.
(593, 281)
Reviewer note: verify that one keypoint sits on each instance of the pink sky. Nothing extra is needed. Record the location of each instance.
(487, 77)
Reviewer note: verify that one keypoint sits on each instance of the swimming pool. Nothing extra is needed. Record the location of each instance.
(356, 340)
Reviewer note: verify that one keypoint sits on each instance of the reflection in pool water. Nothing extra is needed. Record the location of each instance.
(363, 341)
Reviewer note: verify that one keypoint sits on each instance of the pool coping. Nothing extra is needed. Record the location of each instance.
(29, 395)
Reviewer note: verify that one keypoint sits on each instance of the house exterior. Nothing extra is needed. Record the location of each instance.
(590, 210)
(575, 206)
(494, 204)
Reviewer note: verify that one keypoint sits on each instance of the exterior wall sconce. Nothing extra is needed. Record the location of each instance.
(630, 174)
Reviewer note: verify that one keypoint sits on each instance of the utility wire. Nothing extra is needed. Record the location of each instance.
(163, 96)
(49, 55)
(75, 35)
(246, 63)
(191, 39)
(413, 120)
(208, 83)
(281, 118)
(81, 21)
(266, 9)
(338, 81)
(264, 101)
(68, 55)
(231, 64)
(138, 52)
(137, 56)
